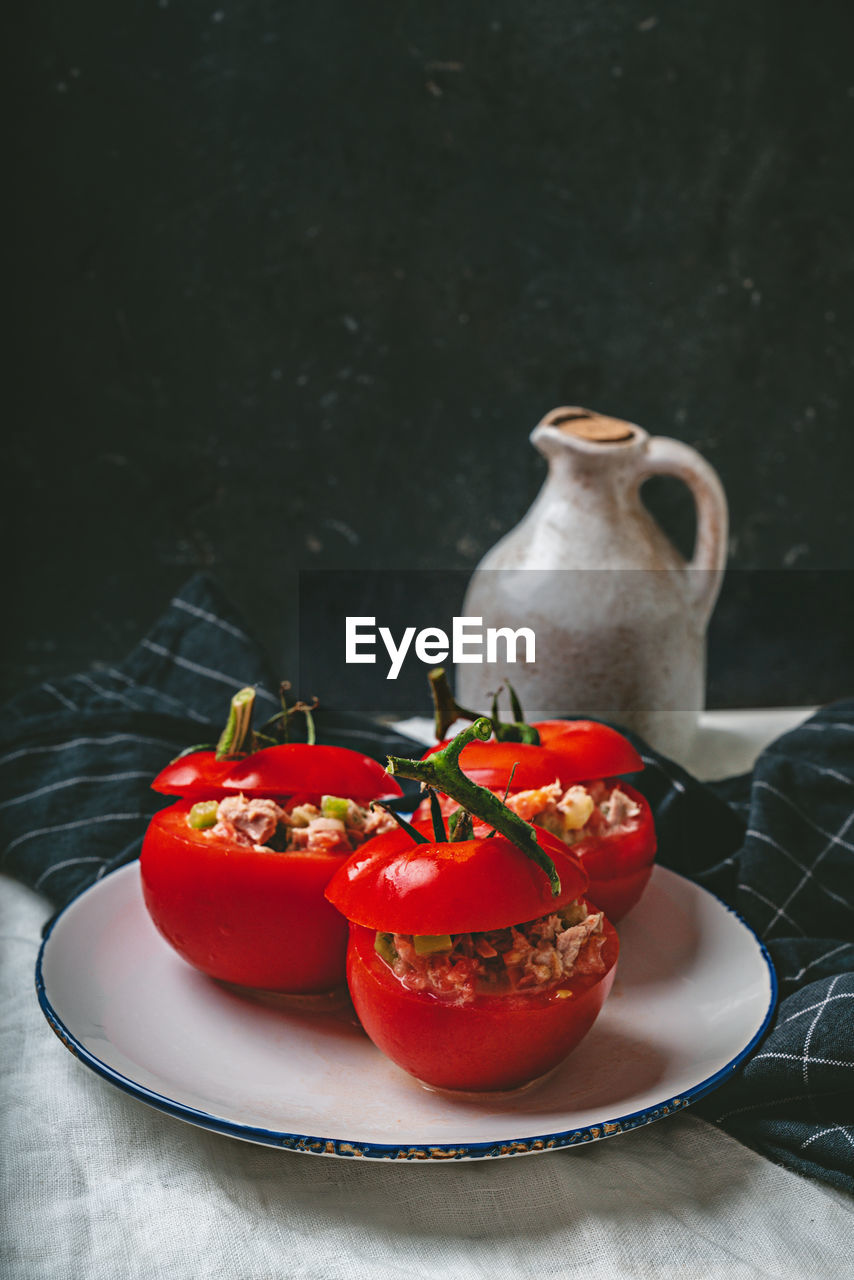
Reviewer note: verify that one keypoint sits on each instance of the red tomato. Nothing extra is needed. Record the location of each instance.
(243, 914)
(620, 865)
(494, 1043)
(294, 767)
(489, 1042)
(395, 885)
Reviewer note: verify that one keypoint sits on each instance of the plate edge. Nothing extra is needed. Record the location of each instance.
(338, 1147)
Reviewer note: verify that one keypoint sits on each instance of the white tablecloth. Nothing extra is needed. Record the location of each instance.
(99, 1186)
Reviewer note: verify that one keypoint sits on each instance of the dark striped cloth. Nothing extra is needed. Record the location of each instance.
(778, 845)
(77, 756)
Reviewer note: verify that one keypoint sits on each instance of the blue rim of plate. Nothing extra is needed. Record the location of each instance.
(311, 1145)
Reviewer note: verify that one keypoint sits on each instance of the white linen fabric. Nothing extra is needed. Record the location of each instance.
(99, 1186)
(79, 755)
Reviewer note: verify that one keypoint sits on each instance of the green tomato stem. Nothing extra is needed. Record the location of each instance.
(306, 709)
(401, 822)
(280, 722)
(440, 835)
(232, 742)
(197, 746)
(448, 710)
(442, 771)
(460, 826)
(515, 704)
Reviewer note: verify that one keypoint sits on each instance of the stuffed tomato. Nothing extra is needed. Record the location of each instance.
(234, 872)
(569, 784)
(462, 966)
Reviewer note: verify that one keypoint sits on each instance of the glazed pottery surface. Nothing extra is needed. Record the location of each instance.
(619, 616)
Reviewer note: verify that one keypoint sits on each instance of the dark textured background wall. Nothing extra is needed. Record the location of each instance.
(292, 283)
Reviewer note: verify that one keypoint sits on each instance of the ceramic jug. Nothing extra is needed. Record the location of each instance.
(618, 615)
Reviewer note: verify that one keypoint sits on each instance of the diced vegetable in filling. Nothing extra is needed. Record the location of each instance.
(577, 812)
(339, 825)
(528, 957)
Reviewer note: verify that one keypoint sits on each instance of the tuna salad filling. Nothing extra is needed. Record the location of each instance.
(338, 825)
(576, 812)
(530, 957)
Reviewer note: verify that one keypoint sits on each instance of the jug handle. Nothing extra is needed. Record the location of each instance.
(666, 457)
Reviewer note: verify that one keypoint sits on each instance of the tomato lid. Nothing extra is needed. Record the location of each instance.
(294, 767)
(587, 750)
(312, 771)
(198, 775)
(397, 886)
(569, 751)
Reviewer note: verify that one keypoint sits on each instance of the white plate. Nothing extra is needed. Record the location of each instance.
(695, 990)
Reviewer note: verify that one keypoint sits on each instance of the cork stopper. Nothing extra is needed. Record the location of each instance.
(586, 424)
